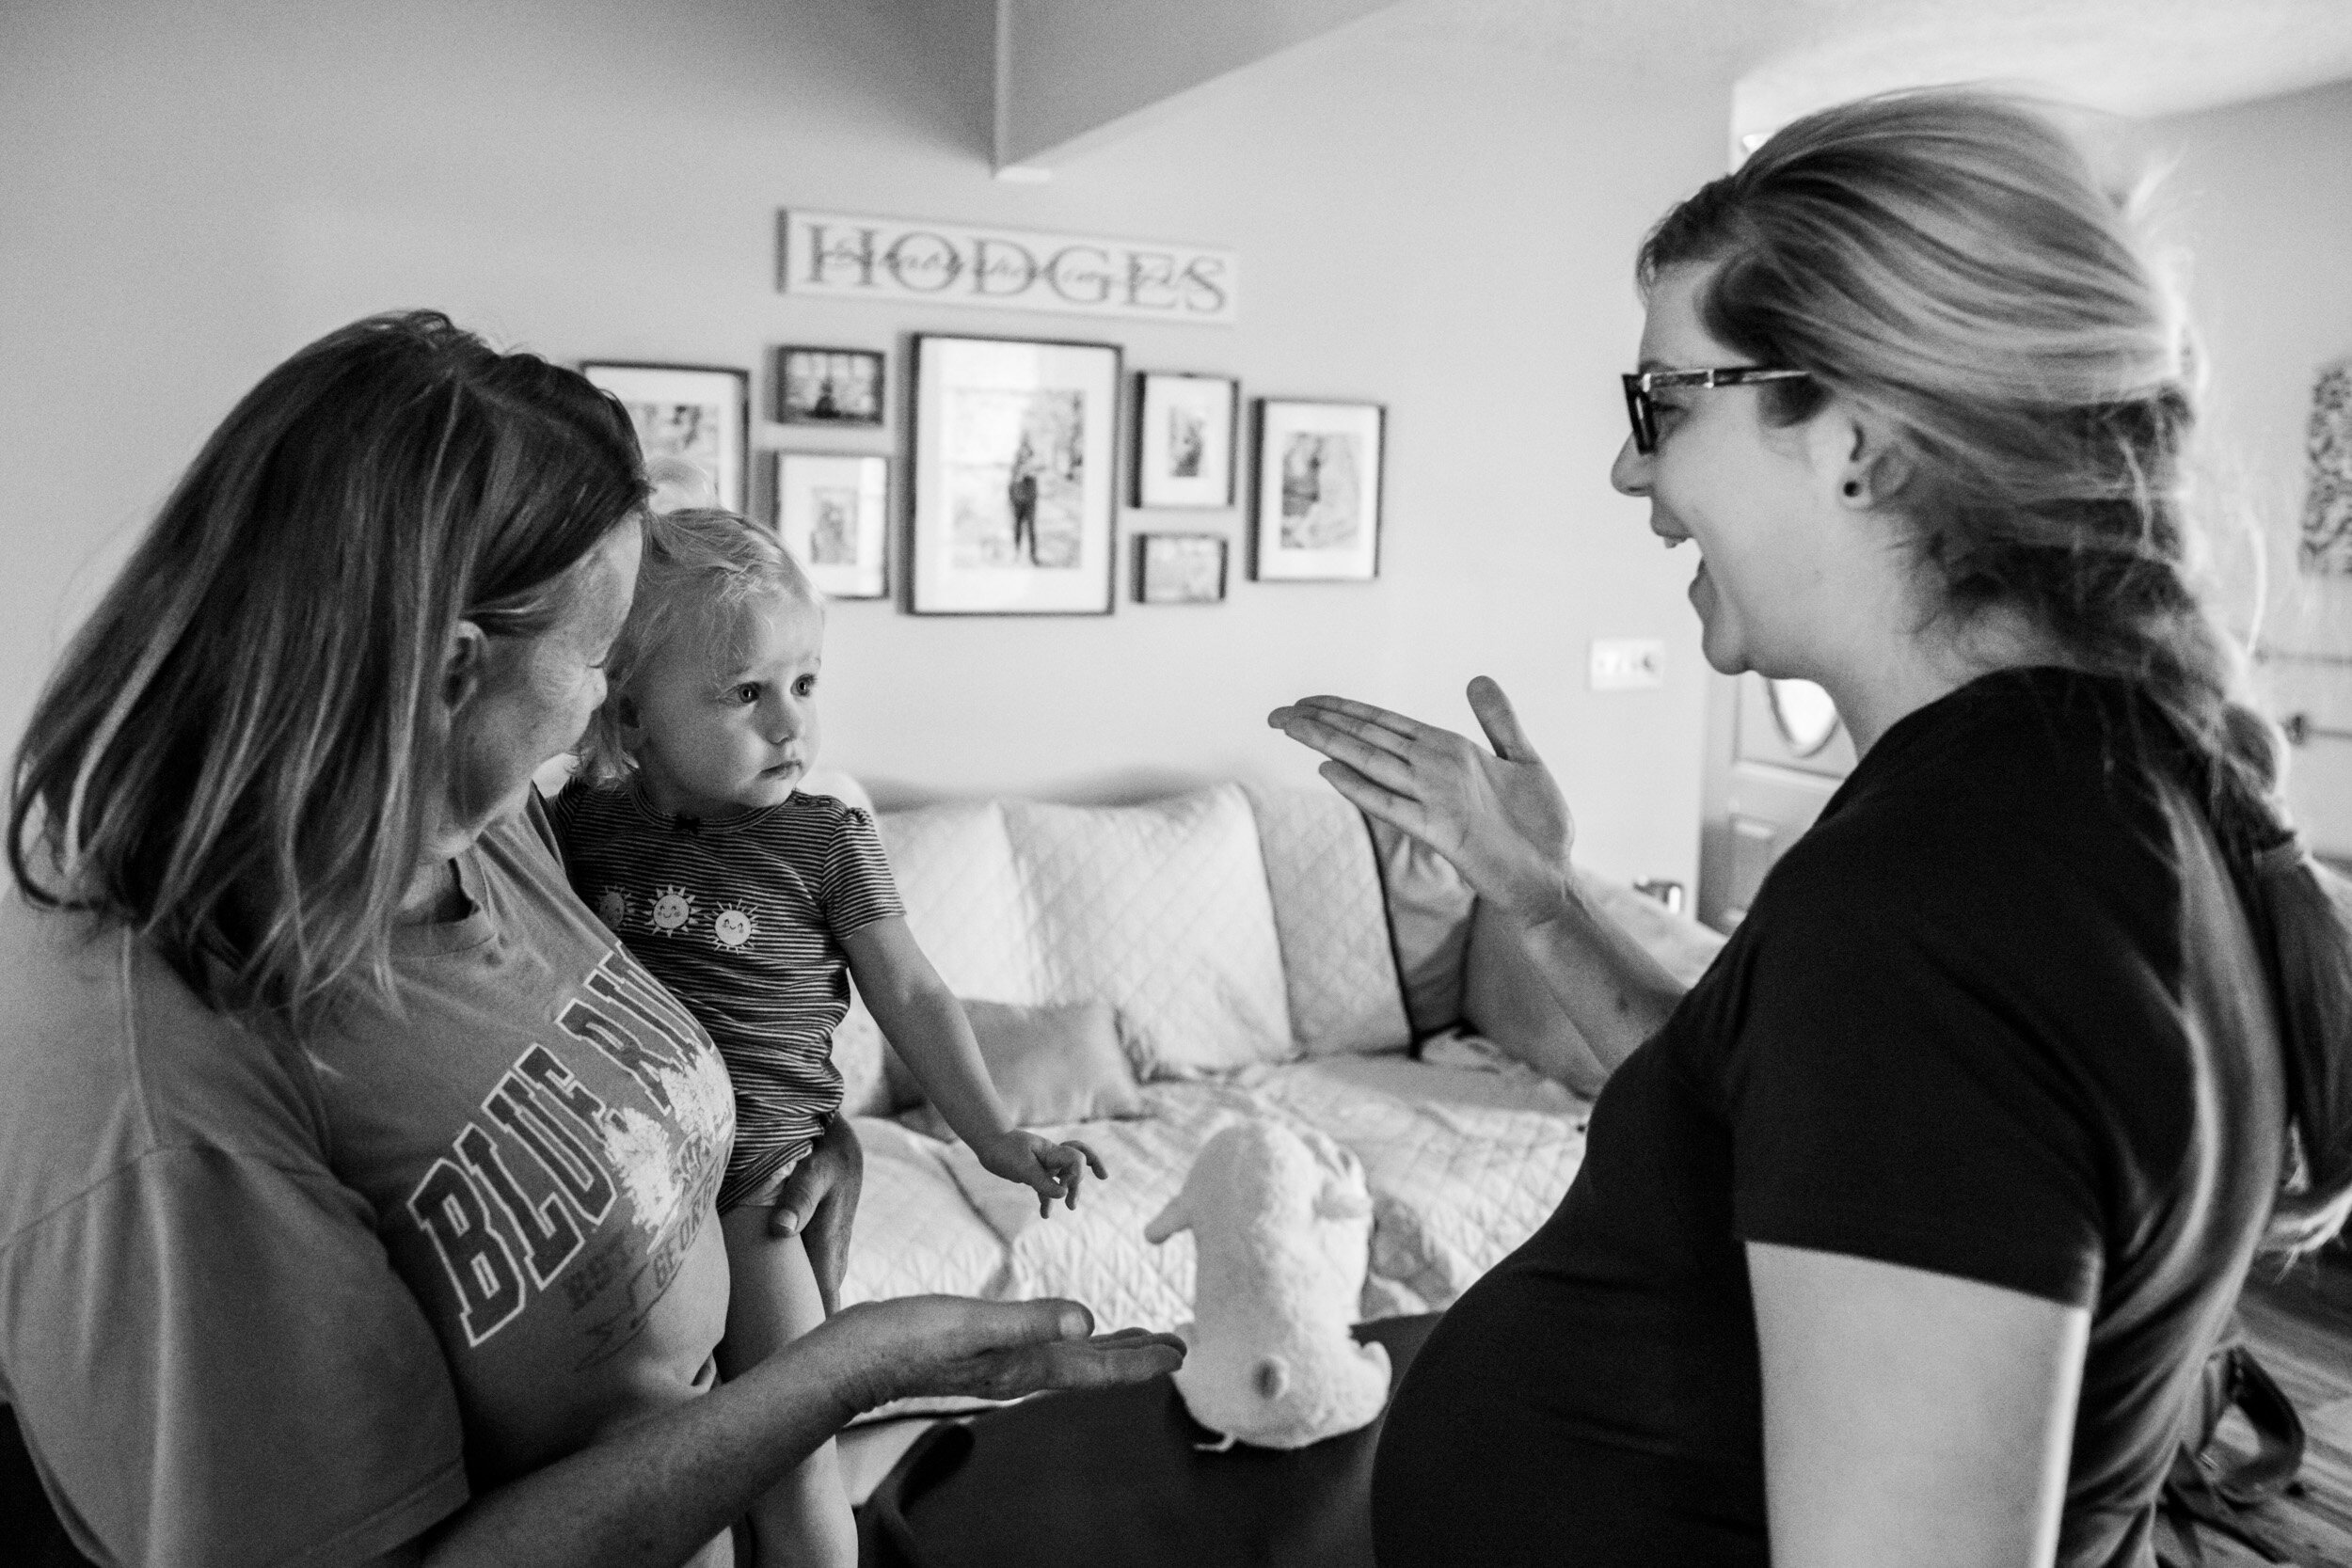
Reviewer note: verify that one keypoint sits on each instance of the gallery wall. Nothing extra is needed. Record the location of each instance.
(1425, 216)
(2258, 199)
(193, 190)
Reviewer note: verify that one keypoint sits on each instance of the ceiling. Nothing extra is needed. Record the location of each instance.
(2135, 57)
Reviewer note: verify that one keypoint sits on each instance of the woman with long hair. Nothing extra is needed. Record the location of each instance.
(1902, 1236)
(355, 1187)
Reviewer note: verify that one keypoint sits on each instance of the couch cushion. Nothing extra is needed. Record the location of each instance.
(1049, 1064)
(966, 900)
(1160, 909)
(1429, 918)
(914, 1234)
(1096, 1253)
(966, 906)
(1463, 1164)
(1338, 969)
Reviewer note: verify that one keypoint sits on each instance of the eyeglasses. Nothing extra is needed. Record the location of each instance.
(1644, 413)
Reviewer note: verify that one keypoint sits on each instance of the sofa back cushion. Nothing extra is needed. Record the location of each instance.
(1162, 910)
(1338, 968)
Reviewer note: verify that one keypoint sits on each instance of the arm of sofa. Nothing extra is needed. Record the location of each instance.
(1460, 968)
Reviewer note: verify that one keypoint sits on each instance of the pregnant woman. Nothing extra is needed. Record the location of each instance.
(1902, 1237)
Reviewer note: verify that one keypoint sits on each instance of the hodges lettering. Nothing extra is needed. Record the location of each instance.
(887, 259)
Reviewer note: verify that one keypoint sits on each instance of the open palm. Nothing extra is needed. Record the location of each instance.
(1497, 815)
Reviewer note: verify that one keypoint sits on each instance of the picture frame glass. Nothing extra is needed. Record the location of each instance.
(1185, 440)
(1316, 517)
(1180, 568)
(827, 386)
(697, 413)
(833, 516)
(1015, 473)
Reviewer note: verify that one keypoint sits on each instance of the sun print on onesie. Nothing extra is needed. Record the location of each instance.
(733, 926)
(673, 907)
(613, 908)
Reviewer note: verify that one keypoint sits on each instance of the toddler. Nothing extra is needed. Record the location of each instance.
(755, 903)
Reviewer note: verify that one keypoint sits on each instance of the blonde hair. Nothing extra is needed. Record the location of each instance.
(1950, 262)
(701, 567)
(235, 755)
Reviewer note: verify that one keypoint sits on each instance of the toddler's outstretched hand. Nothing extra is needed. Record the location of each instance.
(1052, 1170)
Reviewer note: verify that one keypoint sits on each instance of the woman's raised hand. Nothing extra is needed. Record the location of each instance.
(1497, 815)
(997, 1349)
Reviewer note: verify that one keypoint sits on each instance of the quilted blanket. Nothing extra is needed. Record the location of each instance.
(1464, 1161)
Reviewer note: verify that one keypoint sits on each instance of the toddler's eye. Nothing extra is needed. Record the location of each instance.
(805, 687)
(747, 693)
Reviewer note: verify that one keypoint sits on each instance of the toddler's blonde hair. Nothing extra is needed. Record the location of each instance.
(701, 566)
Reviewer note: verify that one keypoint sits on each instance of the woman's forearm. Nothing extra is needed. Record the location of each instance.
(1612, 990)
(657, 1491)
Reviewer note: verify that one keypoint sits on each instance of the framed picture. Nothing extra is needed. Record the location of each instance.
(1015, 477)
(1185, 431)
(832, 514)
(701, 413)
(829, 386)
(1180, 568)
(1317, 513)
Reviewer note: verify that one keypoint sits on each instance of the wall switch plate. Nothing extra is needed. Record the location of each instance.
(1627, 663)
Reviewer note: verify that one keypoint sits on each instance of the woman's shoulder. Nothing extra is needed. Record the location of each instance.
(108, 1057)
(2019, 779)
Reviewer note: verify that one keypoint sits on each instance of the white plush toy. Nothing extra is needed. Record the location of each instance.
(1282, 1224)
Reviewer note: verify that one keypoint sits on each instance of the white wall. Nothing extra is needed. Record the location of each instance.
(2261, 194)
(190, 191)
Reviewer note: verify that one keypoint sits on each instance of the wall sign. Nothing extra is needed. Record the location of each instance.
(843, 256)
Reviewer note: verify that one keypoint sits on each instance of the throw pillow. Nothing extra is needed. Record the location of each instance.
(1429, 919)
(1050, 1064)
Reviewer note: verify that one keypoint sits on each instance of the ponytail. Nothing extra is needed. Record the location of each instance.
(2302, 912)
(2301, 915)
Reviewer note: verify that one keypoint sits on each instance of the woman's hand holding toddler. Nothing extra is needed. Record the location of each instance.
(1053, 1170)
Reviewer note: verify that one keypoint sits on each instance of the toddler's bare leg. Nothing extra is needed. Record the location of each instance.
(805, 1518)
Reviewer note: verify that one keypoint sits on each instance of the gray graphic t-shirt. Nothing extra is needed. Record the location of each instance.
(263, 1301)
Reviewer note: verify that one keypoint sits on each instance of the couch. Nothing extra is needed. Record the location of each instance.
(1262, 952)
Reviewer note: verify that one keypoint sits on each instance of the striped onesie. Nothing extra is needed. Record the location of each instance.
(742, 917)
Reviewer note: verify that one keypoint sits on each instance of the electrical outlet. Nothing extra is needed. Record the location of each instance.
(1627, 663)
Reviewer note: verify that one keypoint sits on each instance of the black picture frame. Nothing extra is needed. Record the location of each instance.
(1153, 489)
(960, 388)
(1143, 573)
(808, 375)
(1276, 554)
(808, 485)
(658, 394)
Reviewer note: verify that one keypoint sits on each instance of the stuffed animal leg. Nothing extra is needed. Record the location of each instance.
(1282, 1223)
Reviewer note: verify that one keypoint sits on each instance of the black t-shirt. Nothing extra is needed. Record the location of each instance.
(1997, 1016)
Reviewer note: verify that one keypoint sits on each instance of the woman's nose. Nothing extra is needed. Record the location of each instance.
(1630, 473)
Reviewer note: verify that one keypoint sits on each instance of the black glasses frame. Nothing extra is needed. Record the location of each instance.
(1644, 413)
